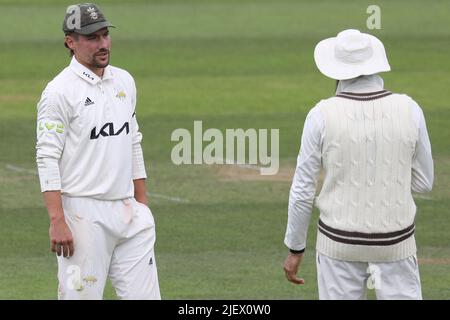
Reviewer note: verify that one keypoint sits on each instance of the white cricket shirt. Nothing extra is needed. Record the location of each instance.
(88, 139)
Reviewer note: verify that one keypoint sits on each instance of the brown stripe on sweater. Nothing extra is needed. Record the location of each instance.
(352, 234)
(366, 242)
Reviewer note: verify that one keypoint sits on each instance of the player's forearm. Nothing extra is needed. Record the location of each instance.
(140, 191)
(422, 173)
(301, 199)
(138, 162)
(53, 203)
(299, 216)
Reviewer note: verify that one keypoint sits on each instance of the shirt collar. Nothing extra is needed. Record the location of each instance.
(361, 84)
(87, 74)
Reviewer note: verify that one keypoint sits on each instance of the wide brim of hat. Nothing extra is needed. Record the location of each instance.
(333, 68)
(93, 27)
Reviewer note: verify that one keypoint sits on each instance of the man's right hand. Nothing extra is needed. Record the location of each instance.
(291, 265)
(61, 240)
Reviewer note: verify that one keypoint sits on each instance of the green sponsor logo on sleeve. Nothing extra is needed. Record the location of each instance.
(49, 125)
(60, 128)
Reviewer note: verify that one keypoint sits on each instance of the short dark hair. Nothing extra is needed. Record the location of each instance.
(75, 36)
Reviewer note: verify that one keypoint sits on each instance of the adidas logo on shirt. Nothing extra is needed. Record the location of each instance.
(88, 102)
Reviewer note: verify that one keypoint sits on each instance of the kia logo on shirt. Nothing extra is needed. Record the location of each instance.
(107, 130)
(88, 75)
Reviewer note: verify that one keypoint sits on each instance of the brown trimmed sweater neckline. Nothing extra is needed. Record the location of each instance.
(364, 96)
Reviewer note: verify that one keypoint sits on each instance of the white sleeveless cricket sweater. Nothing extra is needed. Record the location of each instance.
(366, 206)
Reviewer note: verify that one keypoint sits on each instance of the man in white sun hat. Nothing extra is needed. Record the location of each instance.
(374, 148)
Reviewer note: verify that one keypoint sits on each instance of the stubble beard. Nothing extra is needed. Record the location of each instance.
(97, 63)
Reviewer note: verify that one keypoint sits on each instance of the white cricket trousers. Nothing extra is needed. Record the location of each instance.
(348, 280)
(112, 239)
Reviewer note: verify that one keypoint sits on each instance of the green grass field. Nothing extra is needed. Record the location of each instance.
(231, 64)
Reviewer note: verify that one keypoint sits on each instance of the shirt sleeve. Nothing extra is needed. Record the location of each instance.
(138, 157)
(422, 171)
(52, 123)
(304, 184)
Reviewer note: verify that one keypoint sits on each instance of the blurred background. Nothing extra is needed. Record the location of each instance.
(232, 64)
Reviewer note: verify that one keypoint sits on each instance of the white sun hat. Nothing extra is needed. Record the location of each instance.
(350, 55)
